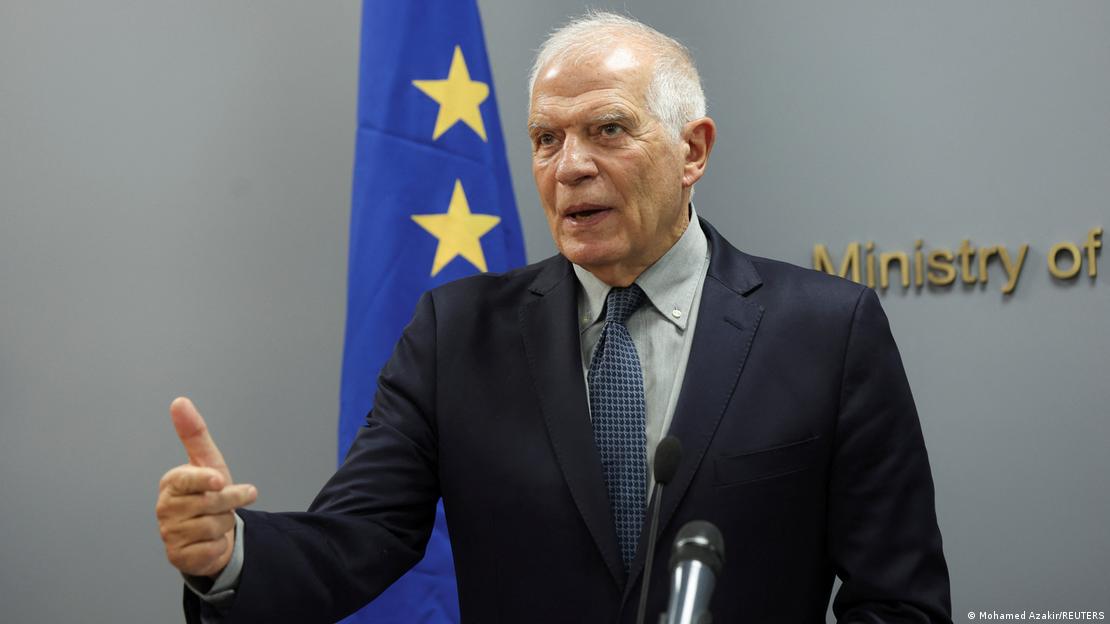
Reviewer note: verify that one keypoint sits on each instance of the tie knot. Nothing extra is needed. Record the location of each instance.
(622, 302)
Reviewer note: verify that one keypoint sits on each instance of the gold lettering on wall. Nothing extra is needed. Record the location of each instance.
(1074, 263)
(942, 273)
(822, 261)
(1013, 271)
(942, 267)
(1054, 260)
(1092, 246)
(885, 259)
(918, 263)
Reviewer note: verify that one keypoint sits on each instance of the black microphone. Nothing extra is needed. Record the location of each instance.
(697, 558)
(668, 454)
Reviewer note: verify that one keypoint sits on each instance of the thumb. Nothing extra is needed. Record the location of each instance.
(195, 438)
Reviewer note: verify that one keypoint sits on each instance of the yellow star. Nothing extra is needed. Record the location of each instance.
(458, 231)
(458, 97)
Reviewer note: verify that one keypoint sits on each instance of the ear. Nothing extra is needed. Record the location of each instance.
(697, 139)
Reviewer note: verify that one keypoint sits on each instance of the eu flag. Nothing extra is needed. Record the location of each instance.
(431, 202)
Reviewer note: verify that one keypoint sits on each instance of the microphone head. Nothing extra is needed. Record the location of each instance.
(700, 541)
(668, 454)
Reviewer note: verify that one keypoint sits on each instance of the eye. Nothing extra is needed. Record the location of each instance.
(545, 139)
(611, 129)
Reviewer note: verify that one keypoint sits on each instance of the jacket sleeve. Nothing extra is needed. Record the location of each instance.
(371, 521)
(883, 536)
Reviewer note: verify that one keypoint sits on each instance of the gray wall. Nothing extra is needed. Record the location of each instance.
(174, 183)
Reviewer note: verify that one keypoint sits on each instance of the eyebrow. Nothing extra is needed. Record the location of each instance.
(538, 125)
(610, 116)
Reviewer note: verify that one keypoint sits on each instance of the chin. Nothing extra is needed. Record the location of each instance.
(591, 256)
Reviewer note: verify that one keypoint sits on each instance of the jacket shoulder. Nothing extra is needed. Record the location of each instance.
(801, 280)
(768, 281)
(808, 296)
(487, 291)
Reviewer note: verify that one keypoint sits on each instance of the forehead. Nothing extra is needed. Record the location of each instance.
(617, 77)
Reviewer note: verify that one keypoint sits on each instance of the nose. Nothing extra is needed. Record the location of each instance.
(576, 163)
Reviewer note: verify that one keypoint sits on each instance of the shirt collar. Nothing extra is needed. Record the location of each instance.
(669, 284)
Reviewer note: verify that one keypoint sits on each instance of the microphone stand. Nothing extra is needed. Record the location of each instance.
(668, 454)
(657, 495)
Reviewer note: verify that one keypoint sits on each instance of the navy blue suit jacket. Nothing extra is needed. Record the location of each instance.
(801, 443)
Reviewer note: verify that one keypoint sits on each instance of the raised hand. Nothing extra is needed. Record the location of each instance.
(197, 500)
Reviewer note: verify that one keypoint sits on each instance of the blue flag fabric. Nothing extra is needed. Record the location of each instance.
(431, 202)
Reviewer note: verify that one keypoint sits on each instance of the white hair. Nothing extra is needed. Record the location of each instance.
(675, 95)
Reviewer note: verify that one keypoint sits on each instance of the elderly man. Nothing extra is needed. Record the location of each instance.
(531, 402)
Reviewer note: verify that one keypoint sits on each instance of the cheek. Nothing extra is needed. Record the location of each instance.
(552, 224)
(640, 180)
(545, 188)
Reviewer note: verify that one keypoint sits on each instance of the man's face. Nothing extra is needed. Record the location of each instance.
(609, 175)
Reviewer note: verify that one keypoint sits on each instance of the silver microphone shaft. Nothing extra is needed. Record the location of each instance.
(691, 588)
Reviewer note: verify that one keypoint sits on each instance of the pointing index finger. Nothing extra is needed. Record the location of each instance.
(193, 432)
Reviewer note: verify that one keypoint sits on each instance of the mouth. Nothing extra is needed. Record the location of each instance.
(585, 213)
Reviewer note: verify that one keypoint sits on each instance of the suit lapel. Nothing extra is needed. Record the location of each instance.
(551, 342)
(727, 323)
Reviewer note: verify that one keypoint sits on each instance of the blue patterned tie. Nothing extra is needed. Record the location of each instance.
(617, 410)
